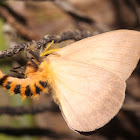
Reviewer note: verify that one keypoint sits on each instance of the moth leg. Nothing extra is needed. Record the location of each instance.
(16, 71)
(35, 55)
(26, 50)
(18, 67)
(20, 73)
(33, 62)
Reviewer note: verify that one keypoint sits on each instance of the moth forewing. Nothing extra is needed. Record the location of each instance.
(117, 51)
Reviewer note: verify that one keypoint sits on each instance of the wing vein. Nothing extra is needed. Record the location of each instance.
(88, 94)
(117, 53)
(87, 82)
(80, 106)
(112, 60)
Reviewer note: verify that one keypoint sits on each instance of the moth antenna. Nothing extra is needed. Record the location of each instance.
(47, 52)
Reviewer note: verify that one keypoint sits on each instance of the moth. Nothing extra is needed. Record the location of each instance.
(87, 78)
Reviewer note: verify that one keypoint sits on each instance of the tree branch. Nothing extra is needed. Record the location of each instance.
(75, 13)
(21, 29)
(75, 35)
(132, 107)
(21, 110)
(68, 8)
(32, 132)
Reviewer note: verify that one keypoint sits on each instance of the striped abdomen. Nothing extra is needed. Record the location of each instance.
(25, 87)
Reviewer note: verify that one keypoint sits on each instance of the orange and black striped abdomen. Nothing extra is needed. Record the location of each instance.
(16, 86)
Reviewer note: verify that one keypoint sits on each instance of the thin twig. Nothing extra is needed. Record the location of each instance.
(67, 7)
(32, 132)
(21, 110)
(75, 35)
(132, 107)
(75, 13)
(12, 51)
(20, 18)
(21, 29)
(136, 9)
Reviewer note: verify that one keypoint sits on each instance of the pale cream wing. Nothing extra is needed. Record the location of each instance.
(117, 51)
(89, 96)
